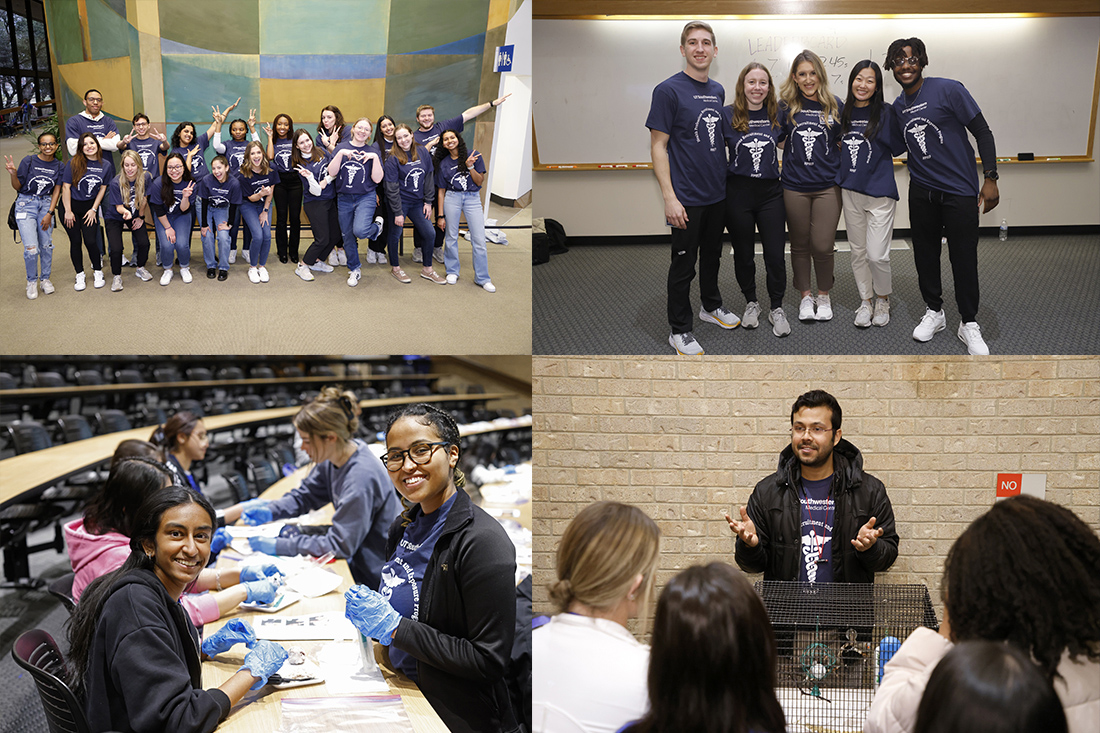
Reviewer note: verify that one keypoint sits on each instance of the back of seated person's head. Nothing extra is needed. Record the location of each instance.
(712, 664)
(132, 447)
(130, 482)
(602, 554)
(991, 687)
(1025, 572)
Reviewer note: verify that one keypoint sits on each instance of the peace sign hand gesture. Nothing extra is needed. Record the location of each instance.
(218, 115)
(472, 159)
(9, 163)
(158, 135)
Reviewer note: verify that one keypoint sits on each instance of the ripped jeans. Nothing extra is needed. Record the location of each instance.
(37, 244)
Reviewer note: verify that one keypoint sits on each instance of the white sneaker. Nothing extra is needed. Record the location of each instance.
(79, 282)
(302, 271)
(489, 287)
(254, 275)
(452, 279)
(264, 276)
(185, 274)
(166, 277)
(778, 319)
(354, 276)
(418, 255)
(751, 319)
(882, 311)
(341, 258)
(47, 286)
(116, 283)
(437, 255)
(685, 344)
(334, 258)
(97, 279)
(863, 315)
(143, 274)
(232, 256)
(372, 257)
(720, 317)
(379, 221)
(824, 308)
(930, 324)
(321, 266)
(125, 261)
(32, 289)
(970, 333)
(806, 309)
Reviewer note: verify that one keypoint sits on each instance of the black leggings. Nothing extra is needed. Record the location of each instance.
(139, 237)
(81, 233)
(288, 204)
(325, 221)
(757, 204)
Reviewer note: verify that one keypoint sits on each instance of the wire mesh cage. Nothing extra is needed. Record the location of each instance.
(833, 639)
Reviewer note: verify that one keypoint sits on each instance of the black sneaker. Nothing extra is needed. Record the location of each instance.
(294, 259)
(283, 259)
(223, 274)
(211, 273)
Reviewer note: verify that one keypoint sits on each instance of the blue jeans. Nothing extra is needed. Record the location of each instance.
(217, 216)
(181, 223)
(356, 222)
(37, 244)
(468, 203)
(261, 236)
(423, 234)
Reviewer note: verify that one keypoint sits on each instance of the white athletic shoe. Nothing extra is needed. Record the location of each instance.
(32, 289)
(778, 319)
(882, 311)
(751, 319)
(452, 279)
(254, 275)
(354, 276)
(79, 282)
(488, 286)
(341, 258)
(685, 344)
(232, 256)
(720, 317)
(372, 257)
(264, 276)
(824, 307)
(166, 277)
(806, 309)
(116, 283)
(302, 271)
(47, 286)
(334, 258)
(143, 274)
(97, 279)
(437, 254)
(418, 255)
(970, 333)
(863, 315)
(185, 274)
(321, 266)
(930, 324)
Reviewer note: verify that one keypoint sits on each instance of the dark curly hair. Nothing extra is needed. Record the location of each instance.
(440, 152)
(896, 47)
(1025, 572)
(445, 427)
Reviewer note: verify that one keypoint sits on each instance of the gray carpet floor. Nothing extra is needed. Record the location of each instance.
(1040, 295)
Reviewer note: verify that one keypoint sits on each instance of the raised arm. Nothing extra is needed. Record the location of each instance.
(482, 108)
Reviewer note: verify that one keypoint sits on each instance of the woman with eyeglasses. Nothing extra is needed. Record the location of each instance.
(447, 610)
(37, 179)
(346, 474)
(170, 197)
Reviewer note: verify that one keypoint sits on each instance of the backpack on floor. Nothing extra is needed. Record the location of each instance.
(547, 239)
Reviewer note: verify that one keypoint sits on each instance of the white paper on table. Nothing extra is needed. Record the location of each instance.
(330, 625)
(349, 668)
(313, 581)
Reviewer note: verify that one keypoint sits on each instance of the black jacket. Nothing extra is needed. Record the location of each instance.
(144, 672)
(775, 510)
(463, 640)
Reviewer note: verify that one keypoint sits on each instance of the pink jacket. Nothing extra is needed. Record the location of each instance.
(93, 555)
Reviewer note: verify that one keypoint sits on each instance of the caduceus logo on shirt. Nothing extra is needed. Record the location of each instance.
(808, 135)
(709, 119)
(145, 155)
(390, 580)
(353, 169)
(756, 147)
(459, 179)
(414, 175)
(918, 129)
(853, 142)
(91, 183)
(41, 184)
(284, 157)
(237, 158)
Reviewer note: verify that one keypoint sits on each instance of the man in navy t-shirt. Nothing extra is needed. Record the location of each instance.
(95, 121)
(689, 158)
(944, 198)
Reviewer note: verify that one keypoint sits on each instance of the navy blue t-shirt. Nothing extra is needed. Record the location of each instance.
(319, 169)
(816, 525)
(810, 158)
(37, 177)
(690, 113)
(198, 163)
(355, 176)
(449, 177)
(427, 137)
(169, 195)
(411, 176)
(403, 576)
(250, 185)
(234, 152)
(114, 197)
(934, 123)
(98, 173)
(149, 150)
(281, 161)
(220, 195)
(867, 166)
(754, 153)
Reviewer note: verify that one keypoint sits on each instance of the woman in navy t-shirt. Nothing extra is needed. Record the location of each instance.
(240, 134)
(330, 133)
(383, 142)
(127, 199)
(811, 119)
(85, 184)
(37, 180)
(311, 163)
(257, 181)
(410, 168)
(288, 188)
(357, 168)
(171, 197)
(459, 177)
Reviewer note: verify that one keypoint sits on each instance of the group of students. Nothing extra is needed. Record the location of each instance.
(140, 555)
(1018, 650)
(838, 155)
(350, 187)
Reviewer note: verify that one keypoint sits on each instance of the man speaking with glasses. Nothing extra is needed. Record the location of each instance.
(819, 518)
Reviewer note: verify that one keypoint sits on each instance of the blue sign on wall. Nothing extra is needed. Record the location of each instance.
(503, 59)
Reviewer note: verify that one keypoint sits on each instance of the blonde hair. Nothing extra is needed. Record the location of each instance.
(139, 179)
(602, 551)
(246, 166)
(792, 96)
(332, 412)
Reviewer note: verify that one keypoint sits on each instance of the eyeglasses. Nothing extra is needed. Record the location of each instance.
(420, 453)
(816, 430)
(47, 145)
(903, 61)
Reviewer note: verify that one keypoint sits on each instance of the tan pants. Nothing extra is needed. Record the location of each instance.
(811, 221)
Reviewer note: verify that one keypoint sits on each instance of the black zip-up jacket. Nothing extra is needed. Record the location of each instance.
(775, 510)
(463, 640)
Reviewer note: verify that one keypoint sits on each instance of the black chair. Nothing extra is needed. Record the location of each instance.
(50, 379)
(262, 472)
(37, 652)
(262, 372)
(112, 421)
(321, 371)
(228, 373)
(129, 376)
(151, 415)
(74, 428)
(238, 484)
(89, 377)
(7, 381)
(192, 406)
(28, 436)
(292, 372)
(199, 374)
(166, 374)
(16, 520)
(62, 589)
(250, 402)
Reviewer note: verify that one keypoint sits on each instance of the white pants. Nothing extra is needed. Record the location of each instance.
(870, 225)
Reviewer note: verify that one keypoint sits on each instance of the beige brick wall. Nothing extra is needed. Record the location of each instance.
(686, 440)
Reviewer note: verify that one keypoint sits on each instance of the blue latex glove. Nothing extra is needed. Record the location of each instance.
(263, 661)
(237, 631)
(263, 544)
(256, 511)
(371, 613)
(220, 540)
(259, 572)
(260, 591)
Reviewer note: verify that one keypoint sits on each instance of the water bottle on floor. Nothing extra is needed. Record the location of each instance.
(1004, 230)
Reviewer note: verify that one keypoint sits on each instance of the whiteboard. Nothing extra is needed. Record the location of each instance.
(1033, 78)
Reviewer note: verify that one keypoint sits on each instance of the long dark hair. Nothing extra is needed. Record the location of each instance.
(296, 158)
(338, 126)
(710, 621)
(445, 427)
(85, 618)
(184, 179)
(441, 152)
(79, 161)
(379, 140)
(402, 157)
(876, 103)
(992, 687)
(130, 482)
(180, 128)
(289, 127)
(1044, 595)
(166, 435)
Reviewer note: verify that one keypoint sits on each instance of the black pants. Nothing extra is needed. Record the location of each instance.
(139, 237)
(324, 220)
(83, 234)
(752, 204)
(288, 210)
(702, 240)
(933, 215)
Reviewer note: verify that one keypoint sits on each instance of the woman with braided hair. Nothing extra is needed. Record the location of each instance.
(346, 474)
(588, 667)
(447, 609)
(1022, 573)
